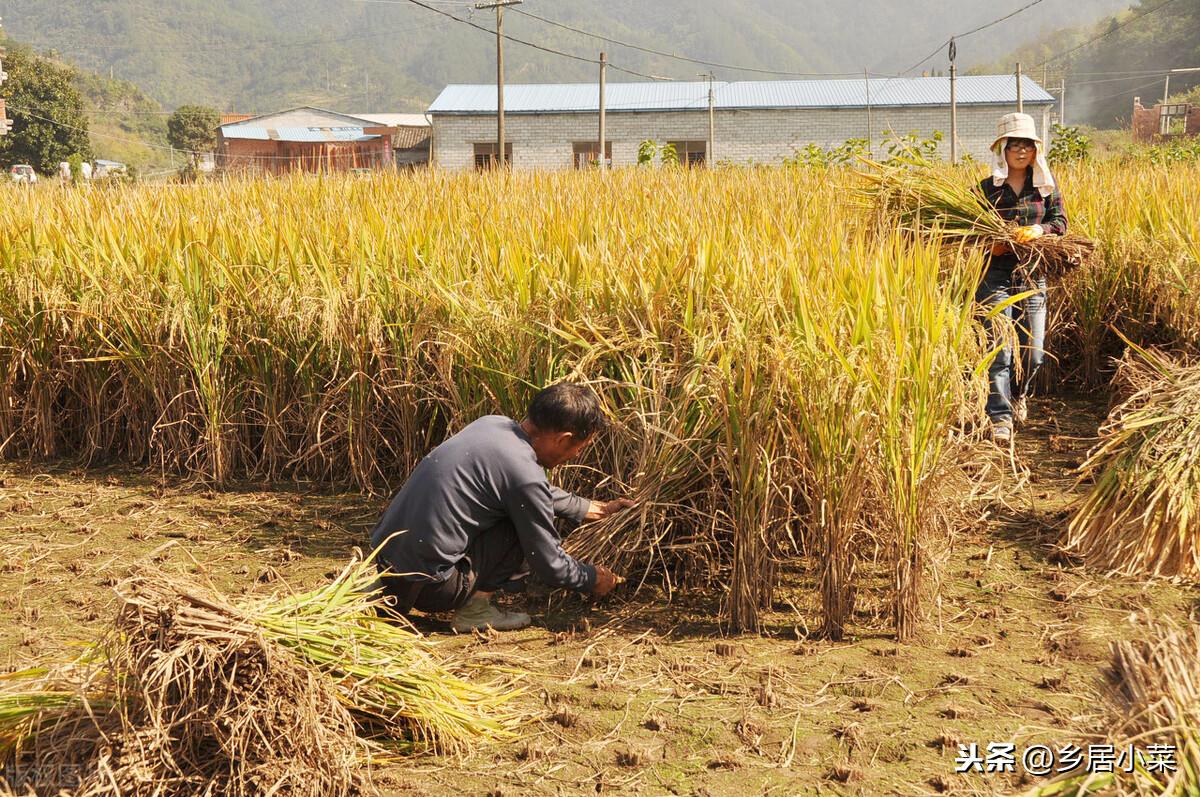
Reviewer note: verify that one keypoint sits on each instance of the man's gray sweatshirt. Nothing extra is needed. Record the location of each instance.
(485, 474)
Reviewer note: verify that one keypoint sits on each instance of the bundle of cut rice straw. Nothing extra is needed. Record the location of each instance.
(192, 693)
(1140, 510)
(1155, 711)
(926, 200)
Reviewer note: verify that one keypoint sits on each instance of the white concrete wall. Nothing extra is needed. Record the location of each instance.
(742, 137)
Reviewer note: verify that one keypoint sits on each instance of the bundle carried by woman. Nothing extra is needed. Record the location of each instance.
(925, 199)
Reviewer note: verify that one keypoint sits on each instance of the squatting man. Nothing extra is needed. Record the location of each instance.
(477, 514)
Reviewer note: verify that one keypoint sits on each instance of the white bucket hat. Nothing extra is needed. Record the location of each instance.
(1016, 125)
(1020, 125)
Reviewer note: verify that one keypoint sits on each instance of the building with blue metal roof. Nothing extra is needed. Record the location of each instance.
(765, 122)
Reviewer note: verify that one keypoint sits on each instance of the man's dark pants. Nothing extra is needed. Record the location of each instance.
(494, 560)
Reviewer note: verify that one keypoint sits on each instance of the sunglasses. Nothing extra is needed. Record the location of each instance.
(1020, 143)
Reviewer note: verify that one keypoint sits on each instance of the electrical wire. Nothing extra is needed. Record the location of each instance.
(676, 56)
(261, 44)
(984, 26)
(1108, 32)
(551, 50)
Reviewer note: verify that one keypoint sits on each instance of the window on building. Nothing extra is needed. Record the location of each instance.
(1172, 119)
(587, 153)
(485, 154)
(691, 153)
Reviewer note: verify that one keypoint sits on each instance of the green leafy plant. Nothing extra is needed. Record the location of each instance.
(670, 157)
(1068, 144)
(815, 156)
(910, 147)
(646, 152)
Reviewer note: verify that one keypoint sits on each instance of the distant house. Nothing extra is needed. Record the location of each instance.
(410, 139)
(555, 126)
(316, 140)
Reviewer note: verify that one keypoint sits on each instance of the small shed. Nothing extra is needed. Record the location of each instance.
(411, 137)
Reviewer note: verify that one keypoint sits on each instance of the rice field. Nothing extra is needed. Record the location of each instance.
(796, 388)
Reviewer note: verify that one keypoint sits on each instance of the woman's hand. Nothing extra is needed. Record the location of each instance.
(1024, 235)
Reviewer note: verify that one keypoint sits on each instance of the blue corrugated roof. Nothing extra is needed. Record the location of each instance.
(245, 132)
(296, 134)
(749, 94)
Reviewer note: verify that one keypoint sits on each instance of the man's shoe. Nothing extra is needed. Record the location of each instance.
(1002, 431)
(1020, 409)
(478, 613)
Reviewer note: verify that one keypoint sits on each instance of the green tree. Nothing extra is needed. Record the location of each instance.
(193, 129)
(49, 123)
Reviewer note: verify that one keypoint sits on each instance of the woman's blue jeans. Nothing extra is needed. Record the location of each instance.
(1029, 317)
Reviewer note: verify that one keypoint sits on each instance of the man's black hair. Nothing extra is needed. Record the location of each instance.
(567, 407)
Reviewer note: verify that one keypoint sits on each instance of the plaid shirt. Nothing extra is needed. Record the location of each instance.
(1025, 209)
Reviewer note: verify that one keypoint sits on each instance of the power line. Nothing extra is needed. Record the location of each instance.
(535, 46)
(973, 30)
(676, 56)
(257, 45)
(1108, 32)
(1123, 92)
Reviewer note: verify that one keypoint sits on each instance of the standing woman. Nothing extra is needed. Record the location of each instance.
(1022, 190)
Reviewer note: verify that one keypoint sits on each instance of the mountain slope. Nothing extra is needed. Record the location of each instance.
(1127, 57)
(125, 124)
(259, 55)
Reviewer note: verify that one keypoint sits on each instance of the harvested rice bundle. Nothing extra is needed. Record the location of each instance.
(1141, 512)
(190, 693)
(1156, 708)
(194, 709)
(921, 200)
(386, 673)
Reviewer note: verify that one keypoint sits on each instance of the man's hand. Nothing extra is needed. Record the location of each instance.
(1024, 235)
(599, 511)
(606, 581)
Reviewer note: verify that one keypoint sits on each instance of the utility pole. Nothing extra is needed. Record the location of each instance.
(1020, 105)
(953, 104)
(1167, 82)
(603, 77)
(712, 125)
(1062, 101)
(1163, 118)
(870, 132)
(499, 5)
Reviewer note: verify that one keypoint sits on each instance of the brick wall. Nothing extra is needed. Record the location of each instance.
(742, 137)
(279, 157)
(1147, 122)
(1144, 122)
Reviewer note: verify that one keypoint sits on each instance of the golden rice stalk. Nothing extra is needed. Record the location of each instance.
(1141, 510)
(1155, 706)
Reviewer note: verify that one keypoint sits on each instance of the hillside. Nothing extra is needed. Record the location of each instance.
(125, 123)
(1127, 57)
(260, 55)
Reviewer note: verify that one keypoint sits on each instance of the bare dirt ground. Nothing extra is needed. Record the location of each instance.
(640, 696)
